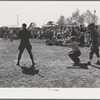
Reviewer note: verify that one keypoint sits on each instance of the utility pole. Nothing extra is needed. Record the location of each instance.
(17, 21)
(94, 16)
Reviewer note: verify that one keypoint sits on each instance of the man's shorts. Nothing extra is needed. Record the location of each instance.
(77, 53)
(23, 46)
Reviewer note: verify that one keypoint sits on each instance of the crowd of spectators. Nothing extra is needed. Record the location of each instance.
(6, 33)
(61, 35)
(54, 35)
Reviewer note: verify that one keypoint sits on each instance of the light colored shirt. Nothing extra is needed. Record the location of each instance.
(74, 46)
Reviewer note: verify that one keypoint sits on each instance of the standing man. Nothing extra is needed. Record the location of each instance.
(11, 35)
(24, 35)
(94, 43)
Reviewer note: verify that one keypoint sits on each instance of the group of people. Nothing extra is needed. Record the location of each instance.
(60, 36)
(25, 34)
(75, 53)
(9, 33)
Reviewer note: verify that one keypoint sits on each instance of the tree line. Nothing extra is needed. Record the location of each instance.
(78, 19)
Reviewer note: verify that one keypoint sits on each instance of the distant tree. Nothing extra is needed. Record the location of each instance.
(75, 16)
(91, 17)
(81, 19)
(33, 24)
(69, 21)
(32, 28)
(61, 21)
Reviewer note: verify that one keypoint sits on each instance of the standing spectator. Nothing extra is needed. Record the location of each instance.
(5, 35)
(73, 32)
(11, 35)
(82, 42)
(38, 34)
(58, 35)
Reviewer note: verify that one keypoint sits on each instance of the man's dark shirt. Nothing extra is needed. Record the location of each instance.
(73, 32)
(24, 35)
(94, 37)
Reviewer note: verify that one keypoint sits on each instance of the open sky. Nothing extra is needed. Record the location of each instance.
(41, 12)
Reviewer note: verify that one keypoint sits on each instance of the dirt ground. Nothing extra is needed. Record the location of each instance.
(56, 69)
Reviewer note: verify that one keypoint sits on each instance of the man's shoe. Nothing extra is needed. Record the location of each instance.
(18, 64)
(98, 63)
(32, 66)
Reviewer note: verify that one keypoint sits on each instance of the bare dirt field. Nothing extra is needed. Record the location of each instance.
(56, 70)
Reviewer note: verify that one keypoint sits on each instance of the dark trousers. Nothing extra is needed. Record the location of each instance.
(75, 56)
(94, 50)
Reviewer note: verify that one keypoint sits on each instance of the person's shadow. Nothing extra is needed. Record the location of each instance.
(79, 66)
(96, 66)
(29, 71)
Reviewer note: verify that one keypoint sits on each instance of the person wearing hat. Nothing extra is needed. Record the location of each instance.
(94, 43)
(24, 35)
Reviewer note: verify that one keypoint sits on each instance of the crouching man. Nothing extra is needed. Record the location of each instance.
(75, 53)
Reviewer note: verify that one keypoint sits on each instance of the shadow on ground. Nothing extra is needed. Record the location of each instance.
(95, 66)
(79, 66)
(29, 71)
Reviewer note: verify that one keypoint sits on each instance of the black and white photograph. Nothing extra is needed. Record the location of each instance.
(49, 44)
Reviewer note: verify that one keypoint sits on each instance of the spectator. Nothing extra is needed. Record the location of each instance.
(11, 35)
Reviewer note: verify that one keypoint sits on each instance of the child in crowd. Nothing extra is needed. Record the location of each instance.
(75, 53)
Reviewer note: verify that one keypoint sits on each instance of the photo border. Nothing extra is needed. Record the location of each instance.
(52, 91)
